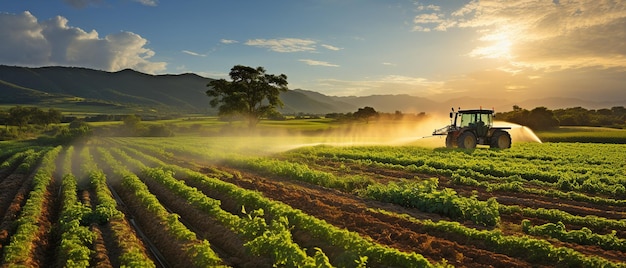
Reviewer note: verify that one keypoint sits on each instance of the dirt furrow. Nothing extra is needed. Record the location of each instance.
(44, 252)
(226, 243)
(503, 197)
(12, 200)
(100, 256)
(352, 213)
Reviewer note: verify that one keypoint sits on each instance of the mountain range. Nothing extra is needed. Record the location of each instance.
(185, 93)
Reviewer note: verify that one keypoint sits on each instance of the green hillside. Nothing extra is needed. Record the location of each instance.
(85, 90)
(45, 86)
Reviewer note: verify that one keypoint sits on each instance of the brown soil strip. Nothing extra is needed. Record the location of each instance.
(225, 242)
(352, 213)
(44, 252)
(100, 256)
(12, 200)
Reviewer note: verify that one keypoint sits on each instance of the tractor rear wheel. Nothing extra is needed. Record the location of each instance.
(501, 139)
(467, 140)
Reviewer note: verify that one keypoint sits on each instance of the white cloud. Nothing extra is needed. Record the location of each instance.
(318, 63)
(26, 41)
(329, 47)
(284, 44)
(421, 7)
(425, 22)
(151, 3)
(419, 28)
(427, 18)
(193, 53)
(228, 41)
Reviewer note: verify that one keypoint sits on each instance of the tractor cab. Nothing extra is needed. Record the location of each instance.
(479, 120)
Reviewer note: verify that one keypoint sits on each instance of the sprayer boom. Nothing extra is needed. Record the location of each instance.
(442, 131)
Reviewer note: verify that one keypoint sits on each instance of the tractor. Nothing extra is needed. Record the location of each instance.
(471, 127)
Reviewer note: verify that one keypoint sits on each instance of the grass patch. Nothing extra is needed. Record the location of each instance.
(584, 134)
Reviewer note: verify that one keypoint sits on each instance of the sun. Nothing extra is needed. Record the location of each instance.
(498, 47)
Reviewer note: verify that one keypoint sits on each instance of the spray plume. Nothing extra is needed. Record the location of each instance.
(518, 133)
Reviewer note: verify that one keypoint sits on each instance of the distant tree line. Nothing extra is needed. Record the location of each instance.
(23, 116)
(541, 118)
(368, 113)
(30, 122)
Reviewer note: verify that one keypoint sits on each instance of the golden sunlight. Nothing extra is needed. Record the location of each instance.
(499, 48)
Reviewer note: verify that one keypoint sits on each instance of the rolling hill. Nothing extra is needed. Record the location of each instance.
(73, 88)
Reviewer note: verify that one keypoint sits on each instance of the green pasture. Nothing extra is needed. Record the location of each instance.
(79, 107)
(326, 127)
(584, 134)
(351, 131)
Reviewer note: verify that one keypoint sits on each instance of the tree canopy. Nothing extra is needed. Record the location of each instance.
(21, 116)
(252, 93)
(541, 118)
(365, 113)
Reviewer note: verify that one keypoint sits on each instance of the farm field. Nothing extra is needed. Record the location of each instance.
(298, 202)
(585, 134)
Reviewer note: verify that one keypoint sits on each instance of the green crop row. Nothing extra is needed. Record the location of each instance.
(514, 184)
(416, 195)
(200, 251)
(132, 250)
(534, 250)
(564, 187)
(272, 239)
(297, 171)
(75, 238)
(555, 215)
(583, 236)
(584, 171)
(425, 196)
(346, 240)
(15, 158)
(29, 161)
(22, 242)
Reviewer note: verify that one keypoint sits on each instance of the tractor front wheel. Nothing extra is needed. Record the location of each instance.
(467, 140)
(501, 139)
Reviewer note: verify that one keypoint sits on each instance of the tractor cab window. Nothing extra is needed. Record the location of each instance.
(467, 119)
(474, 119)
(485, 118)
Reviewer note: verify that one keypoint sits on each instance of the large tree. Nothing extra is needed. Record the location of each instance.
(365, 113)
(252, 93)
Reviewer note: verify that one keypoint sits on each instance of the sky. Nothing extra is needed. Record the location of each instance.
(441, 50)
